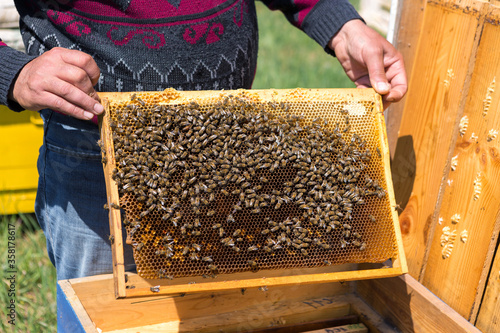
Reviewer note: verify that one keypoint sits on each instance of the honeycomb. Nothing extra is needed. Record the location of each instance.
(233, 181)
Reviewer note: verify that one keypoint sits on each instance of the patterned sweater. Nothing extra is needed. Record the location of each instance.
(155, 44)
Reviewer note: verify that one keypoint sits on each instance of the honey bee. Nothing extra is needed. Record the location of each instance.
(161, 253)
(227, 241)
(252, 264)
(115, 206)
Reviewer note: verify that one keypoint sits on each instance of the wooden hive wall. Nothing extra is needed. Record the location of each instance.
(445, 172)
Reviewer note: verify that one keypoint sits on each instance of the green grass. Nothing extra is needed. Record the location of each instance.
(287, 59)
(35, 277)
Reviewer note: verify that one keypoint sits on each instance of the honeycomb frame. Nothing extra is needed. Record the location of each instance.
(352, 114)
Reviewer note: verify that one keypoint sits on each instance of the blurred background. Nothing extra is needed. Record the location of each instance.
(287, 59)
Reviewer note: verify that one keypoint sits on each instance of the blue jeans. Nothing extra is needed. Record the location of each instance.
(70, 198)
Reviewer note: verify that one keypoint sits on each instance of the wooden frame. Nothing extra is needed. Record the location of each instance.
(123, 287)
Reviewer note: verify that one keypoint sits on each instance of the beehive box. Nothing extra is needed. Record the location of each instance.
(387, 305)
(234, 189)
(18, 175)
(445, 152)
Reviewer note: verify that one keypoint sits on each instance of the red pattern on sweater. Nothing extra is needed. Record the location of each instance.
(146, 9)
(132, 20)
(148, 38)
(304, 7)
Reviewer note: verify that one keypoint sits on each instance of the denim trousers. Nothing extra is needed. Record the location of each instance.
(71, 196)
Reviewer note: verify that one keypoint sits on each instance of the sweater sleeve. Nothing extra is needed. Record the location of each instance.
(319, 19)
(11, 61)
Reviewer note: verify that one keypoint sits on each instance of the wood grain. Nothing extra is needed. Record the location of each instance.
(353, 328)
(471, 191)
(232, 282)
(411, 307)
(384, 305)
(406, 33)
(369, 317)
(115, 224)
(488, 317)
(434, 103)
(208, 310)
(76, 306)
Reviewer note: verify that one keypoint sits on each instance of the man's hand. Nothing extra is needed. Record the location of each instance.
(370, 61)
(62, 80)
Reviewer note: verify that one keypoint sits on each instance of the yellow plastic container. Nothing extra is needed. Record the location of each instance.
(21, 136)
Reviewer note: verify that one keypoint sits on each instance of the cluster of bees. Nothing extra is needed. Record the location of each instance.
(238, 186)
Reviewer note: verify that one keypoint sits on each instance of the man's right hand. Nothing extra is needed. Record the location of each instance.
(62, 80)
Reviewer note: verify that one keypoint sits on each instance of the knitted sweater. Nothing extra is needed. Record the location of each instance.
(142, 45)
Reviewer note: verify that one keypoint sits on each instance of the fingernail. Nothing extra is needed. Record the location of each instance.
(88, 115)
(98, 108)
(382, 86)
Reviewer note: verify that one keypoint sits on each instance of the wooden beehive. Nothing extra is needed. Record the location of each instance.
(387, 305)
(239, 189)
(445, 152)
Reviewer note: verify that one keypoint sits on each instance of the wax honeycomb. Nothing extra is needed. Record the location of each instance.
(230, 181)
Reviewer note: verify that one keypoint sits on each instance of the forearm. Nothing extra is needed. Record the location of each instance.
(12, 62)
